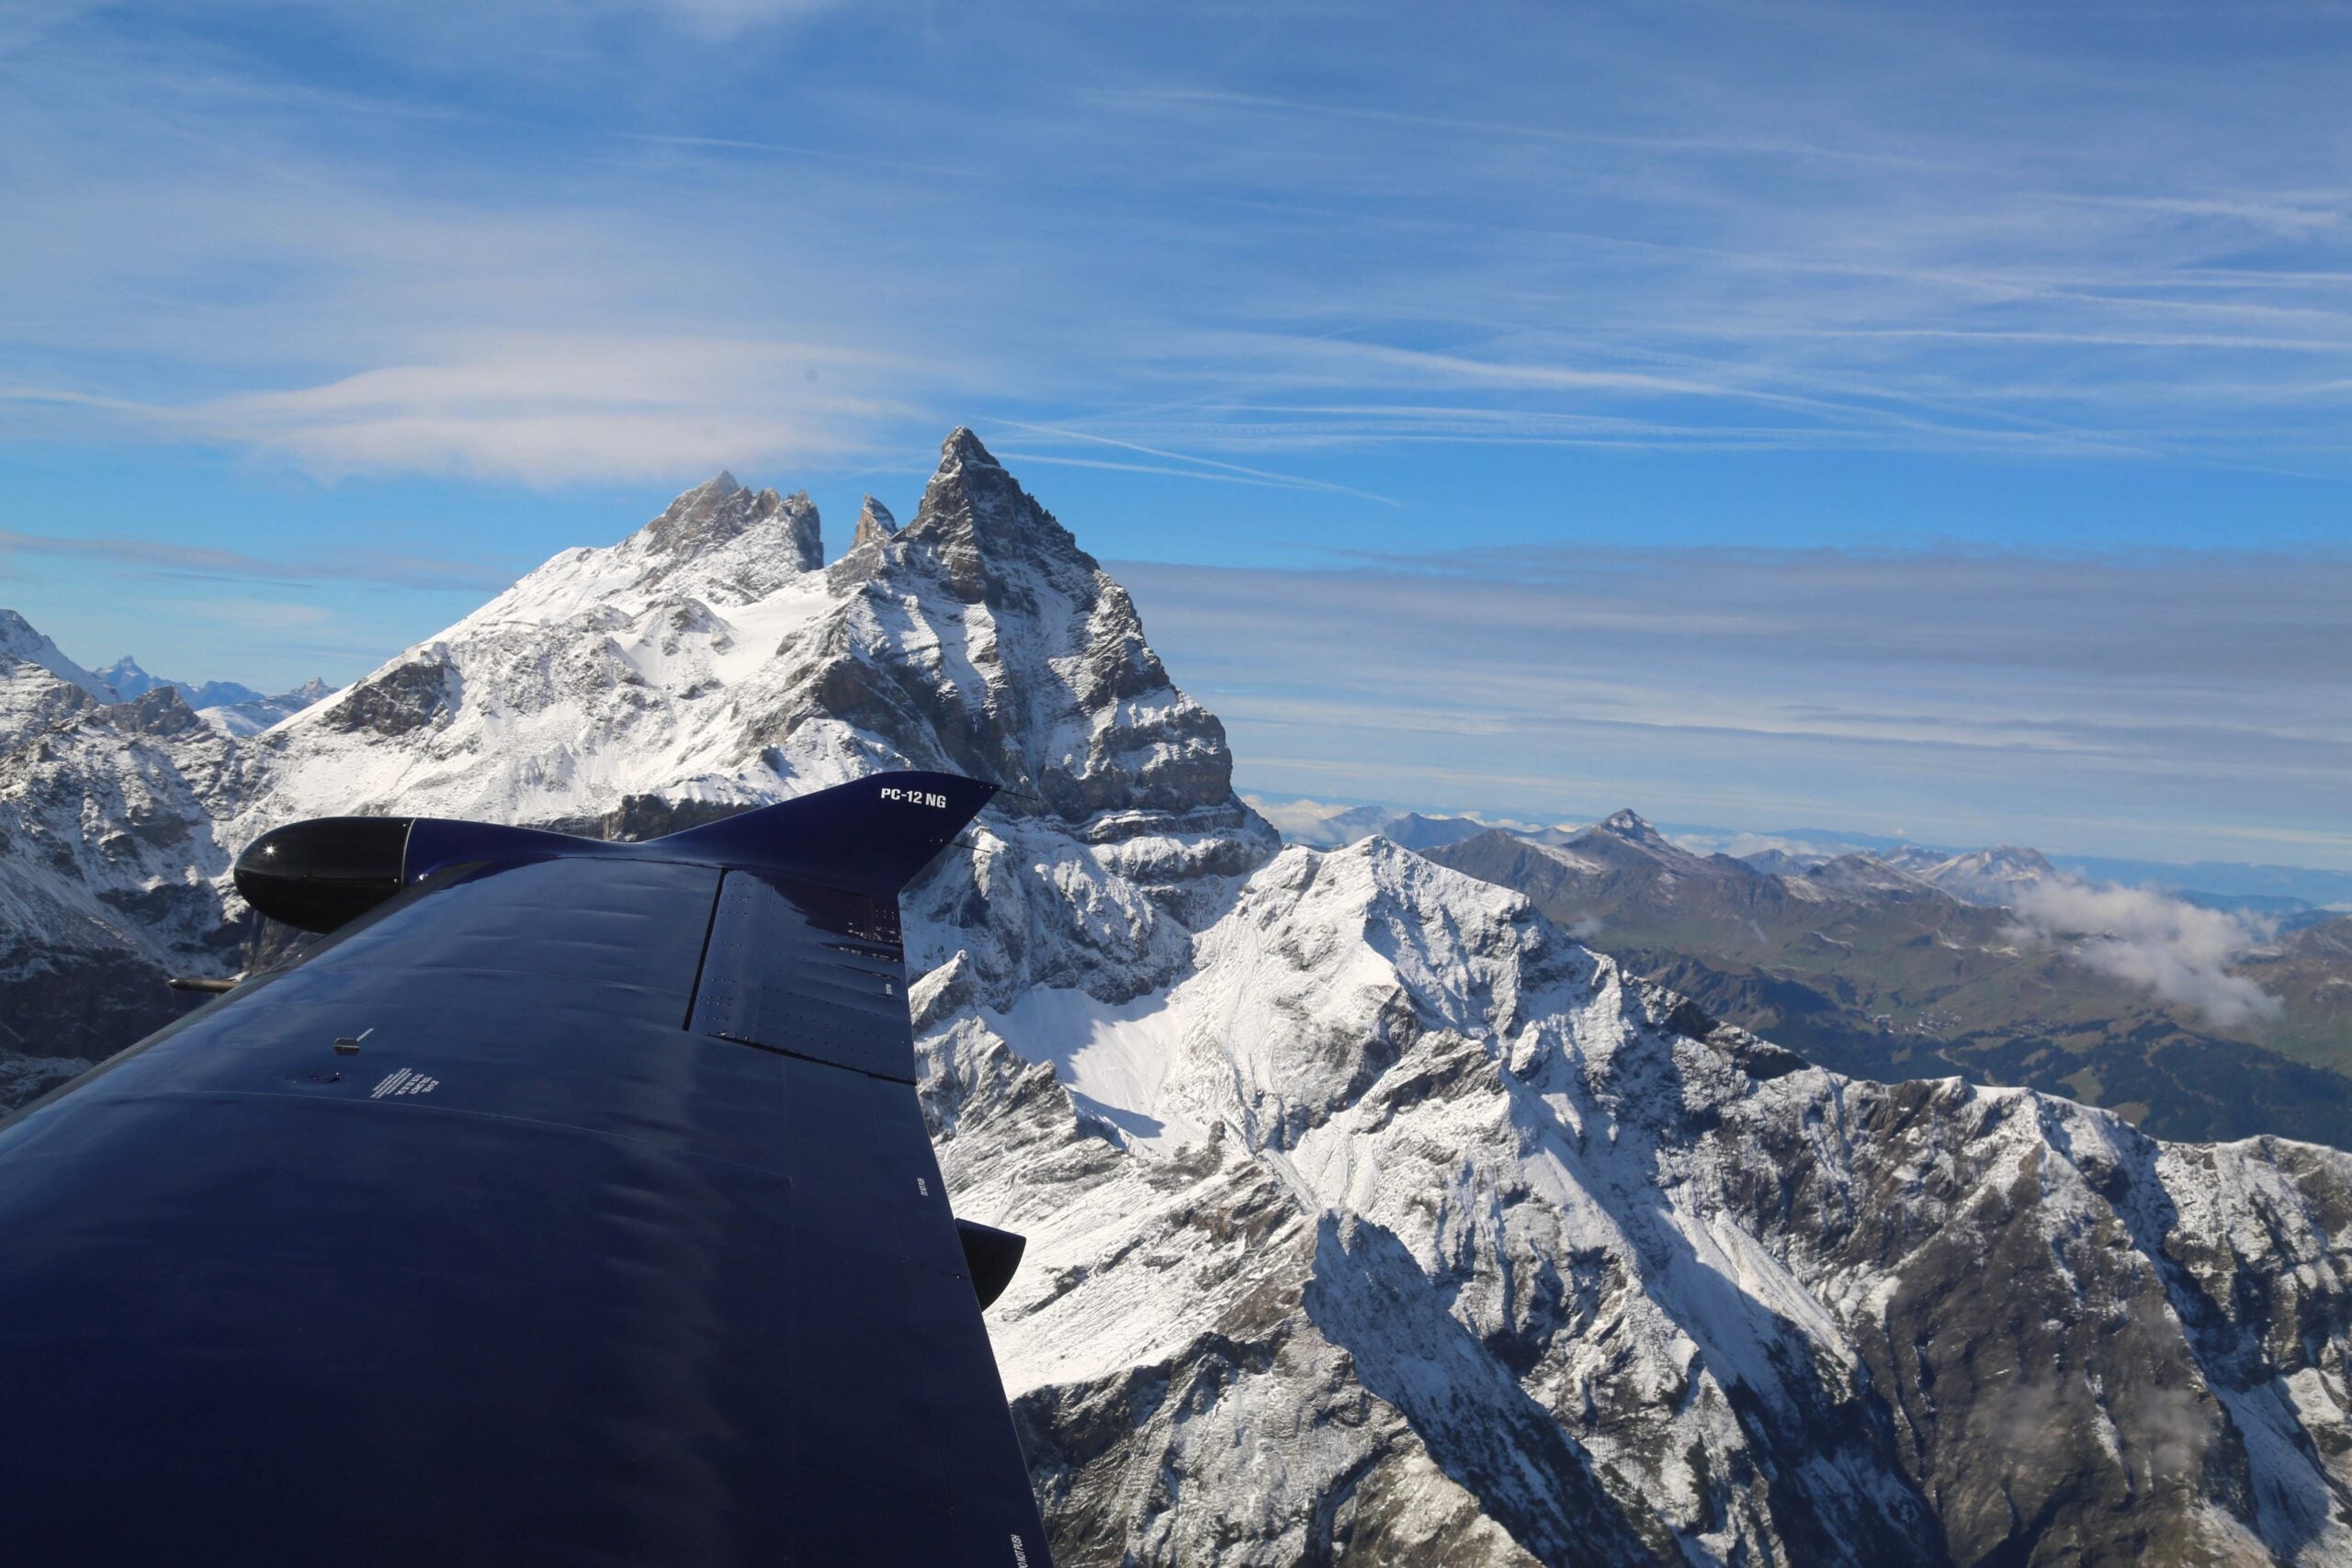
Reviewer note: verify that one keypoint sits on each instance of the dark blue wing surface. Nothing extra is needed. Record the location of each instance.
(615, 1238)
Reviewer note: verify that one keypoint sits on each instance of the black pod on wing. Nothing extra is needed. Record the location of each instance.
(325, 872)
(992, 1257)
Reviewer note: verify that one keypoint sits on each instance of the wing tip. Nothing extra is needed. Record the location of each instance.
(877, 833)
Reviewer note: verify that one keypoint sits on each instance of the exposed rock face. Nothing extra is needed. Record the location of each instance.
(395, 702)
(874, 523)
(1371, 1218)
(109, 867)
(719, 512)
(1766, 1311)
(875, 526)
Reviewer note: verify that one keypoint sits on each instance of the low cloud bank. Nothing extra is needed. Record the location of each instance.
(2148, 939)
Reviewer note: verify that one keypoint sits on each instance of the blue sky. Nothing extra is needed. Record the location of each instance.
(319, 321)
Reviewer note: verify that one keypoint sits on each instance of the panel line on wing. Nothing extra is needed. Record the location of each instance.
(808, 971)
(702, 960)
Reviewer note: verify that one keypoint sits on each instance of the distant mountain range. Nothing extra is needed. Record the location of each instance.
(238, 709)
(1993, 964)
(2291, 893)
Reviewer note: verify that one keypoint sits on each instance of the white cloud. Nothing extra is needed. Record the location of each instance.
(1292, 818)
(2177, 950)
(1787, 237)
(547, 407)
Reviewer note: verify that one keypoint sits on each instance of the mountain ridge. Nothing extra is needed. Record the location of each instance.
(1887, 972)
(1371, 1214)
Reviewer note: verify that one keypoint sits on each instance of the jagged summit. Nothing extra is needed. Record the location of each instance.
(875, 528)
(962, 446)
(127, 678)
(15, 629)
(1631, 826)
(719, 511)
(985, 534)
(874, 523)
(704, 659)
(696, 506)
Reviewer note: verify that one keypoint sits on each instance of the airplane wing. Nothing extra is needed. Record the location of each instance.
(571, 1204)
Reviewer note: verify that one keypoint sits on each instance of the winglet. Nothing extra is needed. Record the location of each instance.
(872, 835)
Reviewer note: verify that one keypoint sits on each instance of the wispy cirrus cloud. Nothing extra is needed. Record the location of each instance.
(550, 407)
(248, 612)
(160, 557)
(1823, 231)
(1994, 273)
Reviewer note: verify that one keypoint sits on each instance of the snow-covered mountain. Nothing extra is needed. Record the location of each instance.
(2127, 996)
(1997, 876)
(227, 706)
(26, 655)
(251, 716)
(1325, 826)
(1370, 1217)
(110, 868)
(1867, 876)
(129, 680)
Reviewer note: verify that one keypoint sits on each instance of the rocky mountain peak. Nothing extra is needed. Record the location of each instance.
(962, 446)
(23, 643)
(876, 527)
(127, 678)
(1030, 666)
(874, 523)
(161, 710)
(19, 637)
(985, 534)
(719, 511)
(803, 532)
(978, 638)
(696, 507)
(1630, 826)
